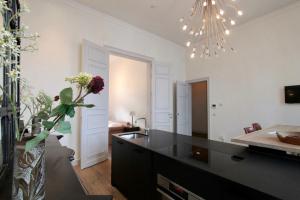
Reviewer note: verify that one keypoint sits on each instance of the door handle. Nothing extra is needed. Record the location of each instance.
(165, 195)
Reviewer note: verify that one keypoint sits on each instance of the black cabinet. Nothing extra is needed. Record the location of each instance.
(131, 170)
(120, 165)
(139, 173)
(203, 183)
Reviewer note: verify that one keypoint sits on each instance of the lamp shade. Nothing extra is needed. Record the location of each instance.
(132, 113)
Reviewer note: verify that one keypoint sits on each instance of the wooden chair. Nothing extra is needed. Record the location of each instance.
(256, 126)
(249, 130)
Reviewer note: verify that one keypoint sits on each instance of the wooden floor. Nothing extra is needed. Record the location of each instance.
(96, 180)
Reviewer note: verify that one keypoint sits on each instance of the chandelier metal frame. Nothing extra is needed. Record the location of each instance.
(209, 25)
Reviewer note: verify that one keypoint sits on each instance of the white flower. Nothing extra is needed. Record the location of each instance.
(3, 6)
(14, 74)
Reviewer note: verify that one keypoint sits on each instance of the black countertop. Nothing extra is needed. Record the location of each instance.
(268, 173)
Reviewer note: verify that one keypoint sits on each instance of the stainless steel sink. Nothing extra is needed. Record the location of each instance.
(131, 136)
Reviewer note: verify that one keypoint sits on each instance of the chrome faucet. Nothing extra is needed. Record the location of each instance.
(145, 120)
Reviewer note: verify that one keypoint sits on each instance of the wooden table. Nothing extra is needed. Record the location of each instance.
(267, 138)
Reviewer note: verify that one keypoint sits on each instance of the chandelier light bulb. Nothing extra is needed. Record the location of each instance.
(208, 26)
(192, 55)
(222, 12)
(188, 44)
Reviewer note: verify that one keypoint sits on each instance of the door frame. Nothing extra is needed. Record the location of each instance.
(150, 62)
(207, 79)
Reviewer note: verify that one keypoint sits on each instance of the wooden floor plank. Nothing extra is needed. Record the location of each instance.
(97, 180)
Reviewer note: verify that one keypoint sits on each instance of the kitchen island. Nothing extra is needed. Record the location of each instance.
(209, 169)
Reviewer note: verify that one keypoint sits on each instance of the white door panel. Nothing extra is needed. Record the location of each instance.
(162, 98)
(182, 108)
(94, 121)
(162, 92)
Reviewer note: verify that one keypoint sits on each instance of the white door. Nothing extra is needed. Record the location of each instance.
(94, 121)
(162, 117)
(183, 108)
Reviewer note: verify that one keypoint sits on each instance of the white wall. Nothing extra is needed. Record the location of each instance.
(63, 25)
(249, 84)
(129, 89)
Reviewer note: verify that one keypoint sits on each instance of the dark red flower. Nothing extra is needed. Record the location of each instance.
(56, 98)
(96, 85)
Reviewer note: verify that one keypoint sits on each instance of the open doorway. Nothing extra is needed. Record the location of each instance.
(192, 108)
(199, 103)
(129, 94)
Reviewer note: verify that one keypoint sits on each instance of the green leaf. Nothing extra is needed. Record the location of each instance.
(85, 105)
(36, 140)
(66, 96)
(63, 127)
(43, 115)
(59, 110)
(48, 125)
(70, 111)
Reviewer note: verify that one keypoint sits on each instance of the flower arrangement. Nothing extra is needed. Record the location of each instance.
(41, 114)
(10, 50)
(54, 119)
(51, 117)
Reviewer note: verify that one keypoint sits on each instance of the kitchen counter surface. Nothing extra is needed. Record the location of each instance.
(272, 174)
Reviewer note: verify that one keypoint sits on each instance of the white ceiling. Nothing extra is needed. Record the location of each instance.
(161, 16)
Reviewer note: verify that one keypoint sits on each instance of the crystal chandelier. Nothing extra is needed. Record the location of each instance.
(208, 26)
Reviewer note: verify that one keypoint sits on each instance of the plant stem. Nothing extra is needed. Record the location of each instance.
(77, 100)
(14, 110)
(80, 91)
(26, 125)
